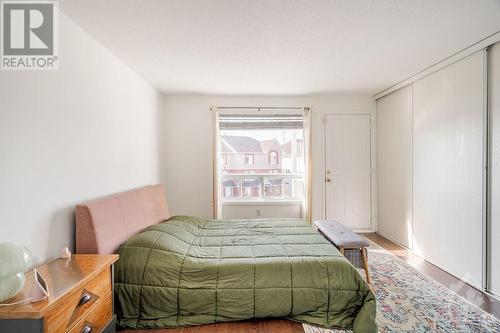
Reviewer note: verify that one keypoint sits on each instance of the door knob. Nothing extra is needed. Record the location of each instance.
(328, 180)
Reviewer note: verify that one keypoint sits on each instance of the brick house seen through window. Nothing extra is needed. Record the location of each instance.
(262, 165)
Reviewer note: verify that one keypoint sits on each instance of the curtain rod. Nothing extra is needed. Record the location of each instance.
(259, 108)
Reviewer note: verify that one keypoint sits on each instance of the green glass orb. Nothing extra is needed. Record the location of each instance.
(15, 259)
(11, 285)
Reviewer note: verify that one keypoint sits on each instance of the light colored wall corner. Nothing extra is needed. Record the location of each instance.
(163, 142)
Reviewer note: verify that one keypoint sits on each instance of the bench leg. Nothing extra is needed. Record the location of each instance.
(365, 264)
(341, 249)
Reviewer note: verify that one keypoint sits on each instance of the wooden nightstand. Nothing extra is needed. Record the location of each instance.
(80, 301)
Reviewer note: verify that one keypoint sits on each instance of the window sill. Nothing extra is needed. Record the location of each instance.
(261, 202)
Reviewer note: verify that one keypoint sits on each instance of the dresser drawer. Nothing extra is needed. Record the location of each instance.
(80, 302)
(95, 320)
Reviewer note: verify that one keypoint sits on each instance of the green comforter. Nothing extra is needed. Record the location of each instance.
(191, 271)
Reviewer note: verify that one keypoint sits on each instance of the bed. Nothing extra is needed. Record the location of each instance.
(181, 270)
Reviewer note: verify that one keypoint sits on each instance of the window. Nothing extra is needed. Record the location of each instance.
(273, 158)
(247, 192)
(230, 188)
(267, 160)
(248, 159)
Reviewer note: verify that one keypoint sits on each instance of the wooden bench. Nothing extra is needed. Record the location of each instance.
(345, 239)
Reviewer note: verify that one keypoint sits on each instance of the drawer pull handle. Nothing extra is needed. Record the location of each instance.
(86, 329)
(85, 298)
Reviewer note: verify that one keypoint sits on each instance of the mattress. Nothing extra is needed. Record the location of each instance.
(191, 271)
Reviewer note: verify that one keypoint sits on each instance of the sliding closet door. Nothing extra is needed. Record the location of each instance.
(448, 168)
(394, 153)
(495, 168)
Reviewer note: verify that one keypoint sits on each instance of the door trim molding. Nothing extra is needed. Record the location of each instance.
(487, 167)
(373, 175)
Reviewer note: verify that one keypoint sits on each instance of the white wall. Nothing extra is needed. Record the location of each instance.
(188, 144)
(394, 165)
(89, 129)
(248, 210)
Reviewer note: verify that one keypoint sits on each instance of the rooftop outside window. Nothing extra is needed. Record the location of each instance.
(263, 161)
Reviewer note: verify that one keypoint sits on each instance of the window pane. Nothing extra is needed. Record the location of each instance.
(262, 164)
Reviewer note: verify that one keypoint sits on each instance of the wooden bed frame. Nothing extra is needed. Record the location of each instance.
(103, 224)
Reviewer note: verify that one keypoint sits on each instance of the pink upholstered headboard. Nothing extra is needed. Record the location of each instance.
(103, 224)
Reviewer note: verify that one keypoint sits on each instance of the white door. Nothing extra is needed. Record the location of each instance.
(348, 170)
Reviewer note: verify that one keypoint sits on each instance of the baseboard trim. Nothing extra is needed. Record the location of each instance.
(470, 283)
(394, 241)
(456, 276)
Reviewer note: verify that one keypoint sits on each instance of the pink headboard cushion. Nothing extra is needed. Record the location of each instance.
(103, 224)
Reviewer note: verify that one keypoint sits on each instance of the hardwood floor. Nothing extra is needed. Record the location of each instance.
(247, 326)
(477, 297)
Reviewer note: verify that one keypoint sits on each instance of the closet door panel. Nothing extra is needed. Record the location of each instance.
(448, 168)
(394, 163)
(495, 168)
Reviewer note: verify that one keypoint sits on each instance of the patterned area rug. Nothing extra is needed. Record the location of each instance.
(409, 301)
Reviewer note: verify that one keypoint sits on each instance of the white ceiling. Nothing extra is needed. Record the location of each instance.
(282, 46)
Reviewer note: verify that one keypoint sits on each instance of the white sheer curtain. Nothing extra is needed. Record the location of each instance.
(308, 163)
(217, 213)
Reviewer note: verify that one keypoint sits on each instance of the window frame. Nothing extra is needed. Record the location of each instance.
(225, 119)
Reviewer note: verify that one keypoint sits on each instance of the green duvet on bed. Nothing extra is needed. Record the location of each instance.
(191, 271)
